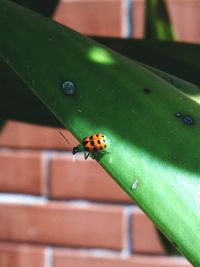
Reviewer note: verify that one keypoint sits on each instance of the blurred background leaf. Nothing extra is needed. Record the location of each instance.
(158, 25)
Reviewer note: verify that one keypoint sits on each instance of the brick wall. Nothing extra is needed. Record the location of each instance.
(126, 17)
(55, 212)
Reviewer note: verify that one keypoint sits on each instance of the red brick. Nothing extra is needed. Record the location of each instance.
(15, 255)
(145, 237)
(21, 172)
(138, 17)
(63, 258)
(94, 17)
(63, 224)
(83, 179)
(24, 135)
(184, 15)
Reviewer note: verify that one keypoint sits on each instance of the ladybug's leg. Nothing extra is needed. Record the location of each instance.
(86, 155)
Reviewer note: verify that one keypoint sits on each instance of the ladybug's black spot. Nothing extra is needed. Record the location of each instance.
(101, 147)
(92, 143)
(104, 141)
(91, 137)
(105, 145)
(178, 115)
(87, 148)
(85, 143)
(102, 135)
(97, 135)
(188, 120)
(94, 149)
(147, 90)
(99, 142)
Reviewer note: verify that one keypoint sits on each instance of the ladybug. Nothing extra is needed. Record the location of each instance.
(93, 145)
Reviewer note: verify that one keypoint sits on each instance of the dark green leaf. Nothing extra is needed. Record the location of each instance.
(158, 24)
(180, 59)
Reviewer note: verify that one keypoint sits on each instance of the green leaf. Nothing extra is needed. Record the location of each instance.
(19, 103)
(158, 24)
(192, 91)
(176, 58)
(153, 154)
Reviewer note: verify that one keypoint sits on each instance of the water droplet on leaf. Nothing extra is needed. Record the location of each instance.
(174, 157)
(178, 115)
(135, 184)
(188, 120)
(68, 87)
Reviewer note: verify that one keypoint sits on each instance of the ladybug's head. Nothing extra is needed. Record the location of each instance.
(75, 150)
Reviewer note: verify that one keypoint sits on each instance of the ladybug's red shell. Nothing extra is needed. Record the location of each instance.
(95, 143)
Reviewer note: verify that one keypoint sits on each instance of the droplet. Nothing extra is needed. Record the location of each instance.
(68, 87)
(147, 90)
(79, 110)
(135, 184)
(174, 157)
(188, 120)
(178, 115)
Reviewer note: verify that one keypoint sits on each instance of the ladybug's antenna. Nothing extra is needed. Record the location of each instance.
(64, 137)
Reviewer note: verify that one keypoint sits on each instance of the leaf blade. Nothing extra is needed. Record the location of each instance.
(150, 146)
